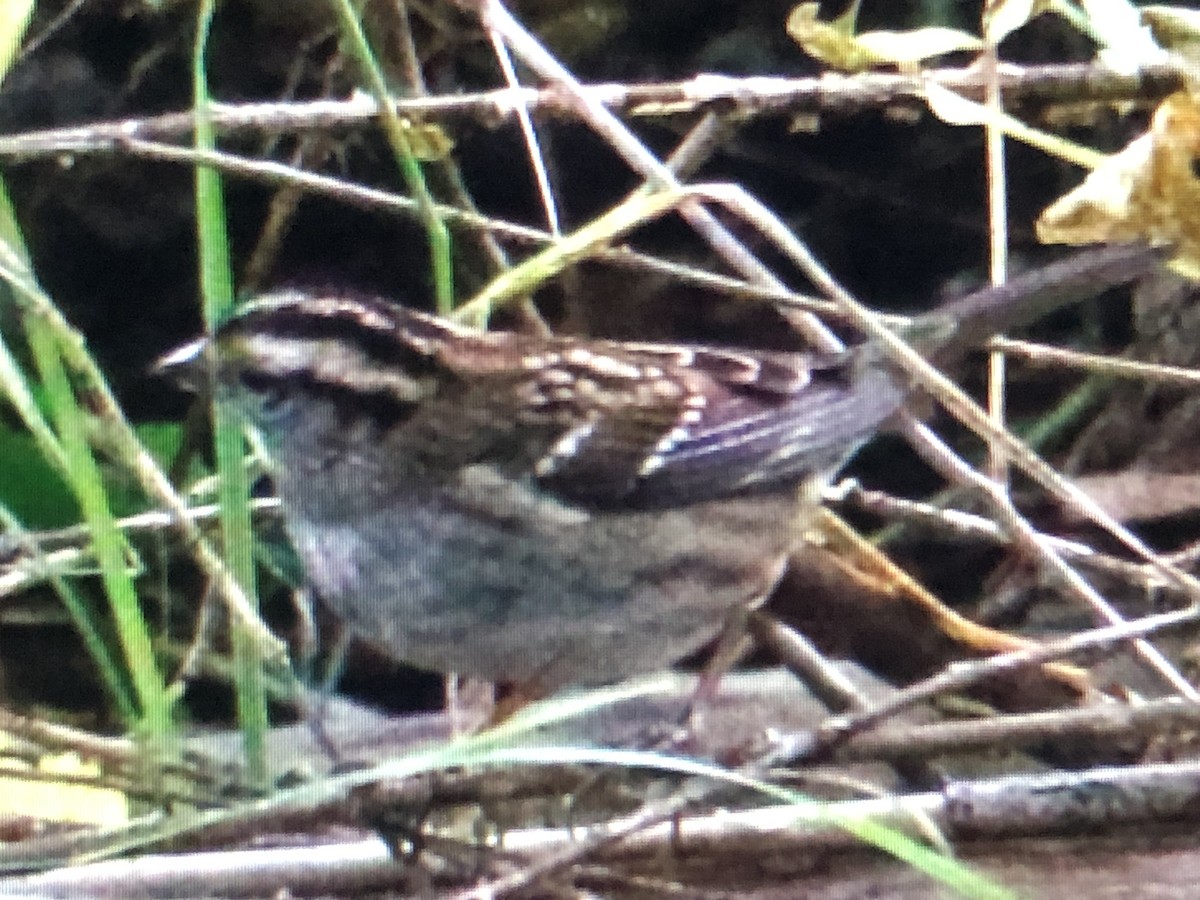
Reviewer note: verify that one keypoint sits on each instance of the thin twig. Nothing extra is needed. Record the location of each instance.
(957, 524)
(1097, 723)
(959, 676)
(1115, 367)
(830, 93)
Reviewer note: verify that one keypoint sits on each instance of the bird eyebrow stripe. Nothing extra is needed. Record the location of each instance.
(375, 336)
(328, 361)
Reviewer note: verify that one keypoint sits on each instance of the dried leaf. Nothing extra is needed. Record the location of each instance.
(835, 43)
(852, 600)
(1149, 191)
(907, 47)
(830, 42)
(1175, 28)
(429, 142)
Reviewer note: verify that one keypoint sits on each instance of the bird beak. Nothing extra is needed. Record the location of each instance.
(186, 365)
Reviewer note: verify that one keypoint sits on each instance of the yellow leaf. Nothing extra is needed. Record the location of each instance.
(428, 142)
(825, 41)
(1149, 191)
(906, 47)
(14, 17)
(835, 44)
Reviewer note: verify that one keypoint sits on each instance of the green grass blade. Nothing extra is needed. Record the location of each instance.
(397, 135)
(83, 475)
(233, 495)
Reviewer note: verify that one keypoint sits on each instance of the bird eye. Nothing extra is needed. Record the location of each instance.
(257, 382)
(270, 392)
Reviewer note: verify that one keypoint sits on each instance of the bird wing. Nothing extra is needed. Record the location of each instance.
(643, 425)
